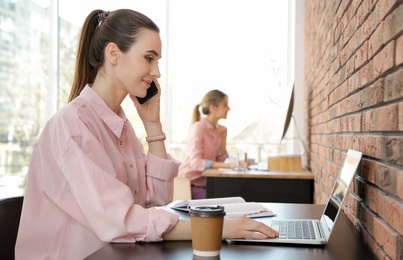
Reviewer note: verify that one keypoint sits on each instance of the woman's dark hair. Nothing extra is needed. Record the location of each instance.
(100, 28)
(213, 97)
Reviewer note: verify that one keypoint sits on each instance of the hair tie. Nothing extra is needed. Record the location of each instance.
(102, 16)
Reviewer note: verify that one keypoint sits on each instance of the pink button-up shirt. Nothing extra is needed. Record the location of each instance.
(90, 183)
(203, 149)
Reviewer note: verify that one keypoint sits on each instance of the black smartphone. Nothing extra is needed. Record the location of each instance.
(151, 91)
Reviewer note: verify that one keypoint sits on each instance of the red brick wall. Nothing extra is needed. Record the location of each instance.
(354, 99)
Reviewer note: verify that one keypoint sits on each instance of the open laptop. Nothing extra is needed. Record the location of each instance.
(316, 231)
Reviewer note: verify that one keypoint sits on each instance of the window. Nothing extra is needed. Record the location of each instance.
(240, 47)
(24, 78)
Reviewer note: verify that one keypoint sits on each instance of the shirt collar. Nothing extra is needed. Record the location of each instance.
(207, 124)
(114, 121)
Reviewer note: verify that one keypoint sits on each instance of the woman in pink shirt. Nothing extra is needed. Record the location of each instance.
(90, 182)
(207, 141)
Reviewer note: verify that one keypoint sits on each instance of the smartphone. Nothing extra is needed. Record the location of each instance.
(151, 91)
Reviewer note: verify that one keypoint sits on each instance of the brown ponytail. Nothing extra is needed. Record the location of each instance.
(196, 114)
(213, 97)
(84, 73)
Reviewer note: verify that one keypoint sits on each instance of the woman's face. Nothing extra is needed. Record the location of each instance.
(139, 66)
(222, 109)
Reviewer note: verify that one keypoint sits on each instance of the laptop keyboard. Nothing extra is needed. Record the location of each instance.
(294, 229)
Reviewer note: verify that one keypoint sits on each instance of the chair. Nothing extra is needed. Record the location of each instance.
(182, 189)
(10, 213)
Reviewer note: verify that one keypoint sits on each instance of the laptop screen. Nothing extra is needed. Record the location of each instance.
(341, 187)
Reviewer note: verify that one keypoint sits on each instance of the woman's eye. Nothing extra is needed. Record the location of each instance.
(149, 58)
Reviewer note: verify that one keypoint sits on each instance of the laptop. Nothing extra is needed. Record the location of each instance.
(315, 231)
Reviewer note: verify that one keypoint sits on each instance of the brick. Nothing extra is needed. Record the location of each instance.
(365, 30)
(373, 245)
(384, 60)
(354, 123)
(334, 96)
(393, 22)
(367, 170)
(385, 236)
(391, 149)
(343, 56)
(392, 213)
(394, 86)
(353, 204)
(361, 55)
(381, 119)
(350, 66)
(333, 53)
(374, 20)
(386, 148)
(375, 41)
(357, 101)
(366, 74)
(347, 141)
(384, 7)
(399, 51)
(363, 11)
(370, 70)
(389, 209)
(386, 177)
(354, 82)
(400, 116)
(373, 95)
(351, 28)
(344, 22)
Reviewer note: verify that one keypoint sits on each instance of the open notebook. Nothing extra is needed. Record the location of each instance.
(316, 231)
(233, 206)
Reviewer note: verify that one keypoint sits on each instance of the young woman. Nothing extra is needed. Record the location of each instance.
(207, 141)
(90, 181)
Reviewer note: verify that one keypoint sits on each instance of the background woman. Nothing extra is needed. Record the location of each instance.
(207, 141)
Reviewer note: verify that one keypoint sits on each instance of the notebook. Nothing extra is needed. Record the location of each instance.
(316, 231)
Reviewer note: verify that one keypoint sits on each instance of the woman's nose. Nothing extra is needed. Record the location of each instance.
(155, 72)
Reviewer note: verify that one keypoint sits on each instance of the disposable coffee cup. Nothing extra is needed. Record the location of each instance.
(207, 224)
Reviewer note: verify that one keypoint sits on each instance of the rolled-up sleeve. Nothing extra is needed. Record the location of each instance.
(160, 174)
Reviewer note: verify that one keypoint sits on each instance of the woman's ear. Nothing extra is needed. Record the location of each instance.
(212, 108)
(112, 53)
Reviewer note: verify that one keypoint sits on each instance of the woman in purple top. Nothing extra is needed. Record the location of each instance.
(207, 141)
(90, 182)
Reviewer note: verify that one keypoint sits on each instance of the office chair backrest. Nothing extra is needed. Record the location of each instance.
(182, 189)
(10, 213)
